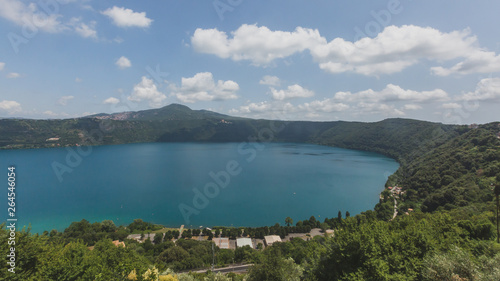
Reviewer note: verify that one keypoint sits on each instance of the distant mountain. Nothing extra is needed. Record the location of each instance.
(396, 138)
(442, 166)
(169, 112)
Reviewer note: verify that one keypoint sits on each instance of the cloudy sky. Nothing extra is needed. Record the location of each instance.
(283, 59)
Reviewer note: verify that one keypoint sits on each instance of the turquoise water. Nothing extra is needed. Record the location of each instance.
(260, 184)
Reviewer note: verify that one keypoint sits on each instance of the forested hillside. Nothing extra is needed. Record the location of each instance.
(402, 139)
(445, 228)
(459, 173)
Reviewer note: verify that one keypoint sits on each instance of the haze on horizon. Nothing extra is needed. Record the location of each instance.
(289, 60)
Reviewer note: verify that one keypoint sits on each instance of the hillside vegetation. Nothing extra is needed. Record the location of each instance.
(397, 138)
(444, 230)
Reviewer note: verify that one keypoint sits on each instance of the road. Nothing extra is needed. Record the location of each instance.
(395, 209)
(236, 268)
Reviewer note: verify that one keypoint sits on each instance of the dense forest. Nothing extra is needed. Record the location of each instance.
(445, 228)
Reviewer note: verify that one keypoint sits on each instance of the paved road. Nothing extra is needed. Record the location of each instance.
(236, 268)
(395, 209)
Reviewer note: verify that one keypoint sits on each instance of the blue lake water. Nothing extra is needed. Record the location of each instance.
(171, 183)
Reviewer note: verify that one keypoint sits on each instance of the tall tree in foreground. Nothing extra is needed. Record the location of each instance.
(288, 221)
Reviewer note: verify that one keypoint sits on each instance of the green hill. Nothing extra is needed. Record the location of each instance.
(442, 166)
(446, 174)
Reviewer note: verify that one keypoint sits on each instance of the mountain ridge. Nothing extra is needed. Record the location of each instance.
(417, 145)
(172, 111)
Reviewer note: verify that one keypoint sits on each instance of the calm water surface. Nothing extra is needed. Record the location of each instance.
(155, 181)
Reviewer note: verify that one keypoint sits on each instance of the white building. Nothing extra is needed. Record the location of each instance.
(242, 242)
(222, 243)
(270, 239)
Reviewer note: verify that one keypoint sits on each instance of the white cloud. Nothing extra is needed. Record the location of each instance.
(392, 50)
(29, 15)
(257, 44)
(50, 113)
(478, 61)
(123, 17)
(392, 101)
(13, 75)
(270, 80)
(78, 80)
(56, 115)
(487, 89)
(86, 30)
(412, 107)
(254, 107)
(379, 108)
(326, 105)
(111, 100)
(35, 16)
(87, 113)
(202, 87)
(287, 111)
(64, 100)
(392, 93)
(123, 62)
(451, 105)
(270, 110)
(2, 65)
(293, 91)
(10, 106)
(147, 90)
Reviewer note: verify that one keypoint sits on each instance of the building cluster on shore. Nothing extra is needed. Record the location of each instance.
(227, 243)
(396, 190)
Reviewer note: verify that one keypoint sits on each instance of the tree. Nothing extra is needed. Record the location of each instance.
(173, 254)
(108, 226)
(289, 221)
(324, 226)
(158, 238)
(456, 264)
(340, 216)
(313, 222)
(347, 214)
(242, 254)
(497, 195)
(275, 268)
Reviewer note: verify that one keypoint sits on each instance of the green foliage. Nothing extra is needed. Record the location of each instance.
(458, 264)
(395, 250)
(446, 171)
(138, 226)
(40, 259)
(275, 268)
(456, 174)
(243, 254)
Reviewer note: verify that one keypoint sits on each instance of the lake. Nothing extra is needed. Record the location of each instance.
(195, 184)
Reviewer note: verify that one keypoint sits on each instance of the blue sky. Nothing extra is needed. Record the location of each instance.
(293, 60)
